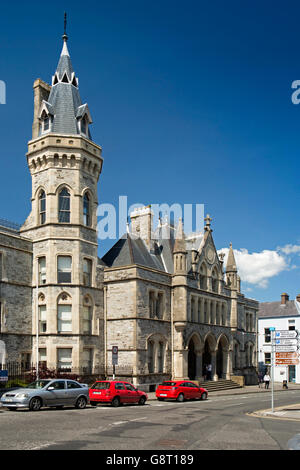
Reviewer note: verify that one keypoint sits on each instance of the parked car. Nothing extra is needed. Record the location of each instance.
(180, 390)
(48, 392)
(5, 390)
(115, 392)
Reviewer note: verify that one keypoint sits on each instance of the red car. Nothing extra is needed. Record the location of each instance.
(180, 390)
(115, 392)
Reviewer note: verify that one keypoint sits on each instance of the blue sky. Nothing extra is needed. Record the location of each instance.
(191, 103)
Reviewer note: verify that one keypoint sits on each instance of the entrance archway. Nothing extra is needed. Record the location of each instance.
(222, 357)
(219, 361)
(191, 360)
(206, 358)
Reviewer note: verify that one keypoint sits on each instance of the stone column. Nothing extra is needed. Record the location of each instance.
(199, 365)
(229, 364)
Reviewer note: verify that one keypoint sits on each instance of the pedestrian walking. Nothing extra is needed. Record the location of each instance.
(267, 380)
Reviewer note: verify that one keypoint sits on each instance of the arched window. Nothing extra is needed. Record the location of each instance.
(150, 357)
(64, 314)
(45, 122)
(83, 125)
(42, 314)
(203, 277)
(161, 354)
(64, 211)
(42, 207)
(87, 316)
(86, 210)
(215, 281)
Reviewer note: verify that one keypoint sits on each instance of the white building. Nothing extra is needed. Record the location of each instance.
(281, 315)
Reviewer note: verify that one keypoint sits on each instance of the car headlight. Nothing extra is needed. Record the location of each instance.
(22, 395)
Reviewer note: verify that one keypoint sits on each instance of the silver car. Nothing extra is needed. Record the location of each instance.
(52, 392)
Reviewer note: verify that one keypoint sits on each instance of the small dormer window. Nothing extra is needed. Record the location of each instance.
(83, 125)
(45, 122)
(65, 78)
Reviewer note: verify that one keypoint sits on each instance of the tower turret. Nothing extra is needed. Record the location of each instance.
(65, 165)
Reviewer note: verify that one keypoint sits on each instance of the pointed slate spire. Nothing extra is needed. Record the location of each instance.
(68, 114)
(231, 264)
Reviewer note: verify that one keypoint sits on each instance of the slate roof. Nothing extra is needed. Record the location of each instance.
(64, 102)
(276, 309)
(131, 249)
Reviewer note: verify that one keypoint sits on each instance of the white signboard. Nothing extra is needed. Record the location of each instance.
(279, 348)
(286, 334)
(286, 342)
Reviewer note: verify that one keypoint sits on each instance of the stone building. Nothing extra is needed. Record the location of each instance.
(163, 300)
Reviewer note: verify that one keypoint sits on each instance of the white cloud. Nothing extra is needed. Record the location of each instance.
(289, 249)
(258, 268)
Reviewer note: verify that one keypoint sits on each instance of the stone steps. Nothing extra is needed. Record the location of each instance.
(222, 384)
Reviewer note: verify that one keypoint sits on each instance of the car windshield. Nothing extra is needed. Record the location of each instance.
(169, 384)
(101, 386)
(38, 384)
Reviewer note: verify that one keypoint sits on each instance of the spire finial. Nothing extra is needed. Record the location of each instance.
(208, 220)
(65, 37)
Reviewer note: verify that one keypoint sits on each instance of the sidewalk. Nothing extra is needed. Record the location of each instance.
(283, 412)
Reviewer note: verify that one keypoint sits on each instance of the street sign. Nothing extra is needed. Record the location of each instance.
(3, 375)
(115, 351)
(286, 334)
(286, 348)
(287, 362)
(286, 355)
(286, 342)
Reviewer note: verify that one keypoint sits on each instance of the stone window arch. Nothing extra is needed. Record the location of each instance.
(42, 207)
(215, 280)
(88, 315)
(64, 313)
(203, 276)
(87, 214)
(42, 308)
(64, 205)
(156, 353)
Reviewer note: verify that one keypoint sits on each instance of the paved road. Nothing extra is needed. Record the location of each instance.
(220, 423)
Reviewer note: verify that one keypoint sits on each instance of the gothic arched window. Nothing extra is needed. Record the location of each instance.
(42, 207)
(86, 210)
(64, 211)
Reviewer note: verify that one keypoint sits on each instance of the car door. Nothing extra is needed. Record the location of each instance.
(73, 391)
(121, 391)
(56, 393)
(132, 394)
(193, 390)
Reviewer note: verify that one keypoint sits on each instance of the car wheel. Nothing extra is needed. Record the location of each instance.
(115, 402)
(35, 404)
(60, 407)
(204, 396)
(142, 401)
(180, 397)
(81, 403)
(93, 403)
(160, 399)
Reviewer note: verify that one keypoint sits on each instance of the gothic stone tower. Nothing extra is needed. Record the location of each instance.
(65, 165)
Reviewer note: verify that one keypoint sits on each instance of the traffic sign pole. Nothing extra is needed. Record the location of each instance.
(272, 329)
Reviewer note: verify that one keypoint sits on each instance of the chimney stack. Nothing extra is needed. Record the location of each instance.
(284, 298)
(141, 224)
